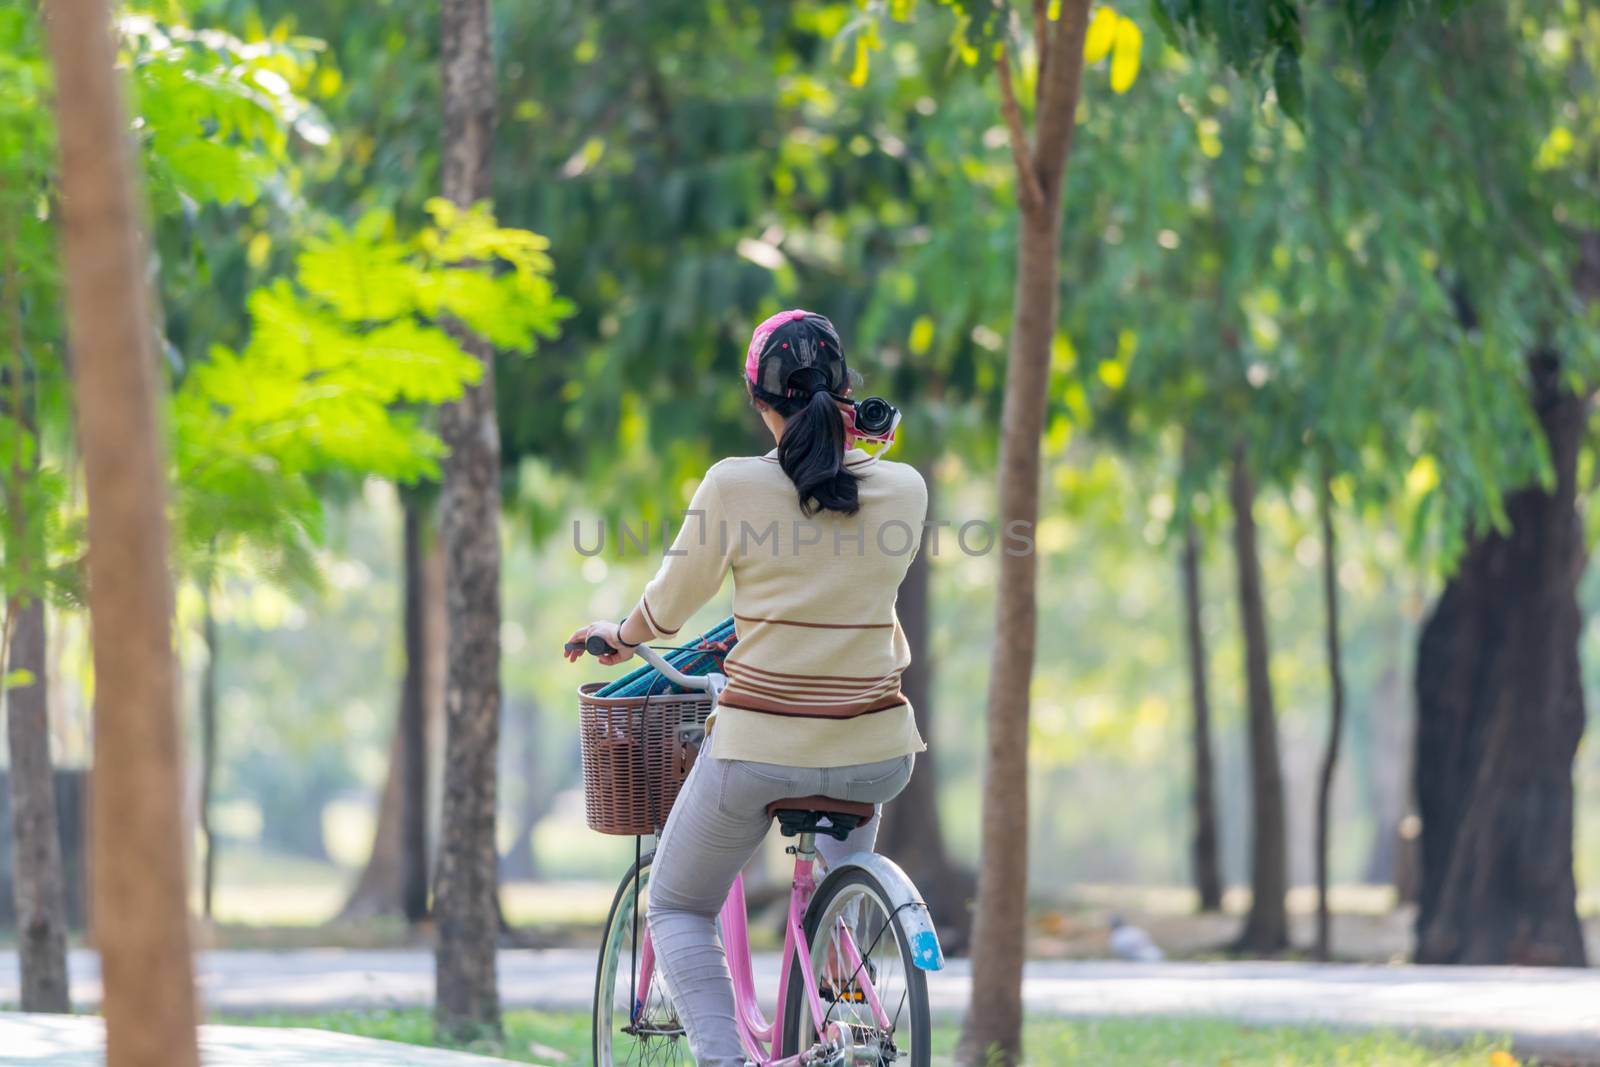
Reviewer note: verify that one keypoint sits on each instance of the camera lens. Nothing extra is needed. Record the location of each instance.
(874, 415)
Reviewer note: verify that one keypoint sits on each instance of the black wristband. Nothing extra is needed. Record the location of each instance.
(620, 640)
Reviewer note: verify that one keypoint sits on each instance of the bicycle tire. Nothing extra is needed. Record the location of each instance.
(611, 978)
(843, 885)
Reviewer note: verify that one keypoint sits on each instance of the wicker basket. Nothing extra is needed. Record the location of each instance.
(635, 757)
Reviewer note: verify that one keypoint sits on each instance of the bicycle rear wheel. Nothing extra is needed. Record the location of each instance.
(851, 902)
(657, 1037)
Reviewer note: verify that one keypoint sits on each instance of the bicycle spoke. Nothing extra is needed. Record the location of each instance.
(858, 961)
(656, 1038)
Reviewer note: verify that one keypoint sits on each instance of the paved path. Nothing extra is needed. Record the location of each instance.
(1554, 1013)
(79, 1041)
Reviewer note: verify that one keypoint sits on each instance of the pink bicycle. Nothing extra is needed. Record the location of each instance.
(857, 946)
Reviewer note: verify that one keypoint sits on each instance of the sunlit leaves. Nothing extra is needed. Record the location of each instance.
(866, 42)
(1555, 150)
(514, 304)
(17, 679)
(1114, 35)
(40, 542)
(1125, 52)
(335, 358)
(215, 113)
(1102, 32)
(362, 273)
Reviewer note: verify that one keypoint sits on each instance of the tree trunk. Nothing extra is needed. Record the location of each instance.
(413, 727)
(395, 879)
(1330, 756)
(1266, 930)
(1207, 865)
(1500, 712)
(38, 881)
(208, 743)
(467, 1001)
(993, 1032)
(140, 890)
(912, 834)
(38, 884)
(378, 891)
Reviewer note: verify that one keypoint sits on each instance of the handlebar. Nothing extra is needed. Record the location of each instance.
(701, 683)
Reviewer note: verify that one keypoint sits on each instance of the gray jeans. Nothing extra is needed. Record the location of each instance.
(716, 825)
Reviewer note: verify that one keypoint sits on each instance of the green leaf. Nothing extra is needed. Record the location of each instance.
(19, 678)
(364, 276)
(1287, 83)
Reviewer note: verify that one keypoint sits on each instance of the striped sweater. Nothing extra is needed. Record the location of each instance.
(815, 678)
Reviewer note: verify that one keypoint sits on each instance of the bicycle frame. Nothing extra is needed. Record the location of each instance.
(758, 1034)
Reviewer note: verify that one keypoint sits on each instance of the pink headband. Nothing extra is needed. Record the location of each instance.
(758, 340)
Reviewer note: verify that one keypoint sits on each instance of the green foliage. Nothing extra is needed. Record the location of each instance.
(1355, 297)
(338, 360)
(322, 383)
(213, 119)
(38, 542)
(1268, 37)
(216, 114)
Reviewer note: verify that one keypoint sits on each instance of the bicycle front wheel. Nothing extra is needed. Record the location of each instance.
(860, 952)
(657, 1035)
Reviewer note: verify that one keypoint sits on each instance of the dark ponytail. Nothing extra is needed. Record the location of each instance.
(811, 453)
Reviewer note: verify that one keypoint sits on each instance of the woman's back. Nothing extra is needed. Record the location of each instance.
(815, 678)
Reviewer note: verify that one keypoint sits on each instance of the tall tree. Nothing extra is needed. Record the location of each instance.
(139, 886)
(1330, 753)
(1500, 711)
(29, 367)
(993, 1031)
(413, 724)
(1185, 233)
(1266, 929)
(38, 883)
(467, 999)
(1207, 866)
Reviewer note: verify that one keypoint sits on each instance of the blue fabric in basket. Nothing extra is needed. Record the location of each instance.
(701, 655)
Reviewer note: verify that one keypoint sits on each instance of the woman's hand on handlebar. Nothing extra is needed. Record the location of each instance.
(607, 632)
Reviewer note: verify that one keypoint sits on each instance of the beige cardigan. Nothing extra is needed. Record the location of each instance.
(815, 678)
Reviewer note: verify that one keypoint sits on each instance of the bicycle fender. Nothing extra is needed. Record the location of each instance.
(903, 898)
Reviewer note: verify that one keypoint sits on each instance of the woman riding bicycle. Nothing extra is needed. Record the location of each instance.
(818, 535)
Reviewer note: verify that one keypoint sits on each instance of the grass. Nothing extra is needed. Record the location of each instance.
(563, 1038)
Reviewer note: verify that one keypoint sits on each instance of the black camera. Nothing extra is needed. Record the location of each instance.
(875, 416)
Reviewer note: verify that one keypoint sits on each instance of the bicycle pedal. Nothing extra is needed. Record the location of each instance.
(853, 995)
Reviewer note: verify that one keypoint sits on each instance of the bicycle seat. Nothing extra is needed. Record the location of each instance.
(819, 815)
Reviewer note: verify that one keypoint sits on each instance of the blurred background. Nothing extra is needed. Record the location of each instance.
(1345, 282)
